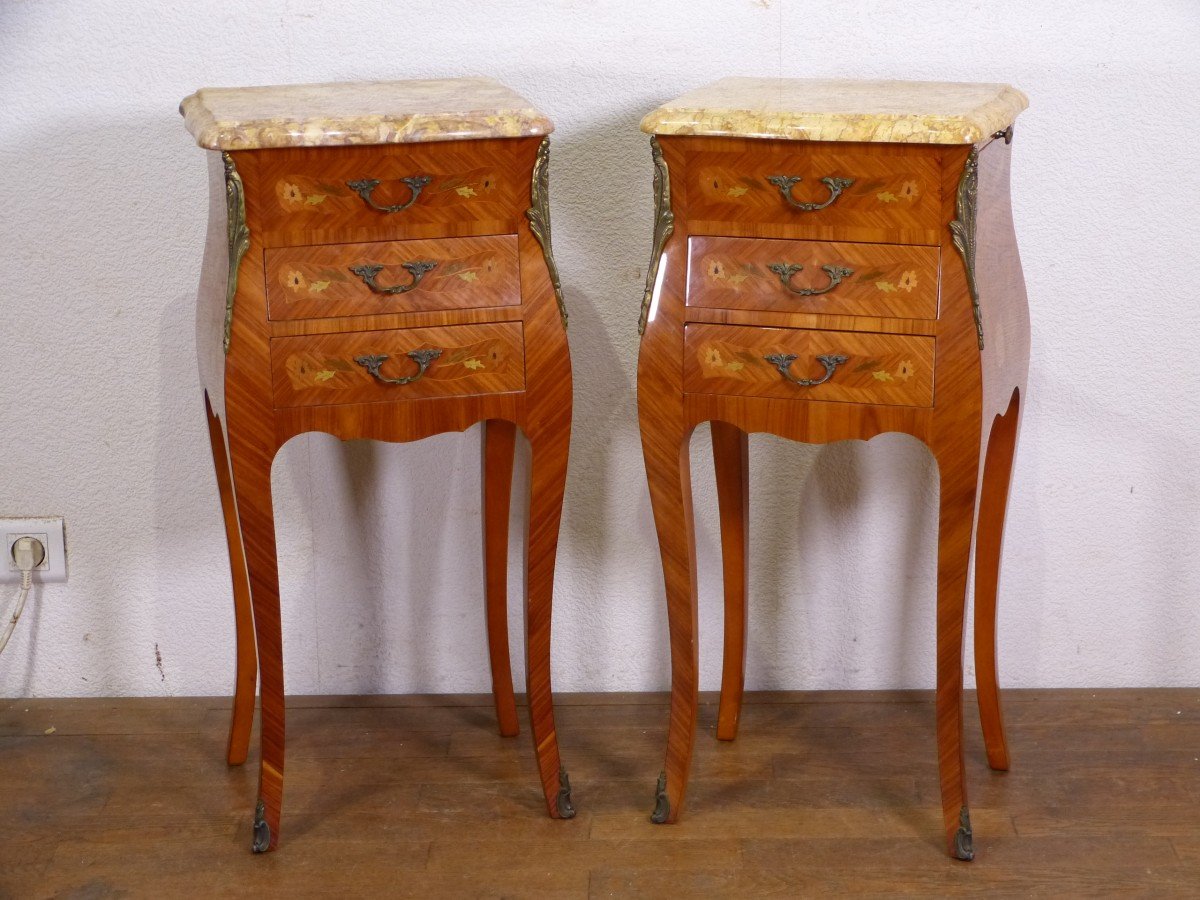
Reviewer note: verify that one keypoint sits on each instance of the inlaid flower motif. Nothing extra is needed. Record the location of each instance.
(738, 191)
(324, 375)
(289, 194)
(712, 356)
(465, 191)
(296, 281)
(907, 281)
(315, 287)
(715, 269)
(909, 191)
(473, 364)
(882, 375)
(905, 370)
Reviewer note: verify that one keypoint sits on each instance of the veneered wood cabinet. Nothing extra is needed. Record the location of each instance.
(378, 265)
(832, 261)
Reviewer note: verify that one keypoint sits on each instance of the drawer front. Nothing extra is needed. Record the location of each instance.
(388, 188)
(332, 369)
(320, 282)
(888, 280)
(888, 369)
(885, 189)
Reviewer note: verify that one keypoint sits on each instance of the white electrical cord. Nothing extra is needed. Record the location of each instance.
(28, 553)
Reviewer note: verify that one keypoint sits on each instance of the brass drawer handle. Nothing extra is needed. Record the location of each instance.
(783, 362)
(786, 182)
(417, 269)
(423, 359)
(366, 186)
(785, 271)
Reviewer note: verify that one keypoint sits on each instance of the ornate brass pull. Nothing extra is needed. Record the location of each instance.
(423, 359)
(785, 272)
(783, 362)
(785, 183)
(417, 269)
(366, 186)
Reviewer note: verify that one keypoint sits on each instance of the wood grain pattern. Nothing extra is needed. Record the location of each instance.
(418, 796)
(808, 320)
(895, 197)
(246, 657)
(532, 392)
(396, 320)
(497, 448)
(886, 279)
(321, 370)
(1005, 311)
(894, 370)
(316, 282)
(304, 197)
(970, 385)
(731, 463)
(993, 503)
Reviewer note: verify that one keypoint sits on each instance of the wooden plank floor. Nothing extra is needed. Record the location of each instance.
(419, 797)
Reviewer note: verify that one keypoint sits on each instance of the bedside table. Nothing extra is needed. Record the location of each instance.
(378, 265)
(833, 260)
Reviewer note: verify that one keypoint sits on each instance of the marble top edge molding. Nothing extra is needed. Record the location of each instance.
(359, 113)
(911, 112)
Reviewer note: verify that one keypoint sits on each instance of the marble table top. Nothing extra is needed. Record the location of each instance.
(914, 112)
(372, 112)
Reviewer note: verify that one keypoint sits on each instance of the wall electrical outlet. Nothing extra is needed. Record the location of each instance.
(48, 530)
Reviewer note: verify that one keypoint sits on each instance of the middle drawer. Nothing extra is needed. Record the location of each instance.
(886, 280)
(392, 276)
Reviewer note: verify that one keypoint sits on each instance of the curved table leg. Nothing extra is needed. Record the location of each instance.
(252, 485)
(669, 477)
(958, 466)
(548, 476)
(993, 503)
(499, 446)
(246, 673)
(731, 459)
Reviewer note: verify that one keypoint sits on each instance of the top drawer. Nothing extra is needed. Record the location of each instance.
(340, 194)
(823, 190)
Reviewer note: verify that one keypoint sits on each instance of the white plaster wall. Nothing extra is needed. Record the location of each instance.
(100, 244)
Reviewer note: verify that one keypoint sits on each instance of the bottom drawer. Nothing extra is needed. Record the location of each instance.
(405, 364)
(845, 366)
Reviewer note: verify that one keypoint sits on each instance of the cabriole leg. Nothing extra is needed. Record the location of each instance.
(246, 673)
(731, 459)
(993, 504)
(499, 445)
(548, 478)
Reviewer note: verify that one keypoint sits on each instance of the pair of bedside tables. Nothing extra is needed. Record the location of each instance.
(831, 260)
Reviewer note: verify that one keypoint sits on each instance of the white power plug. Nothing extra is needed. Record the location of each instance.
(28, 553)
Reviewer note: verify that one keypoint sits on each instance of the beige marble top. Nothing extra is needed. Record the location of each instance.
(370, 112)
(914, 112)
